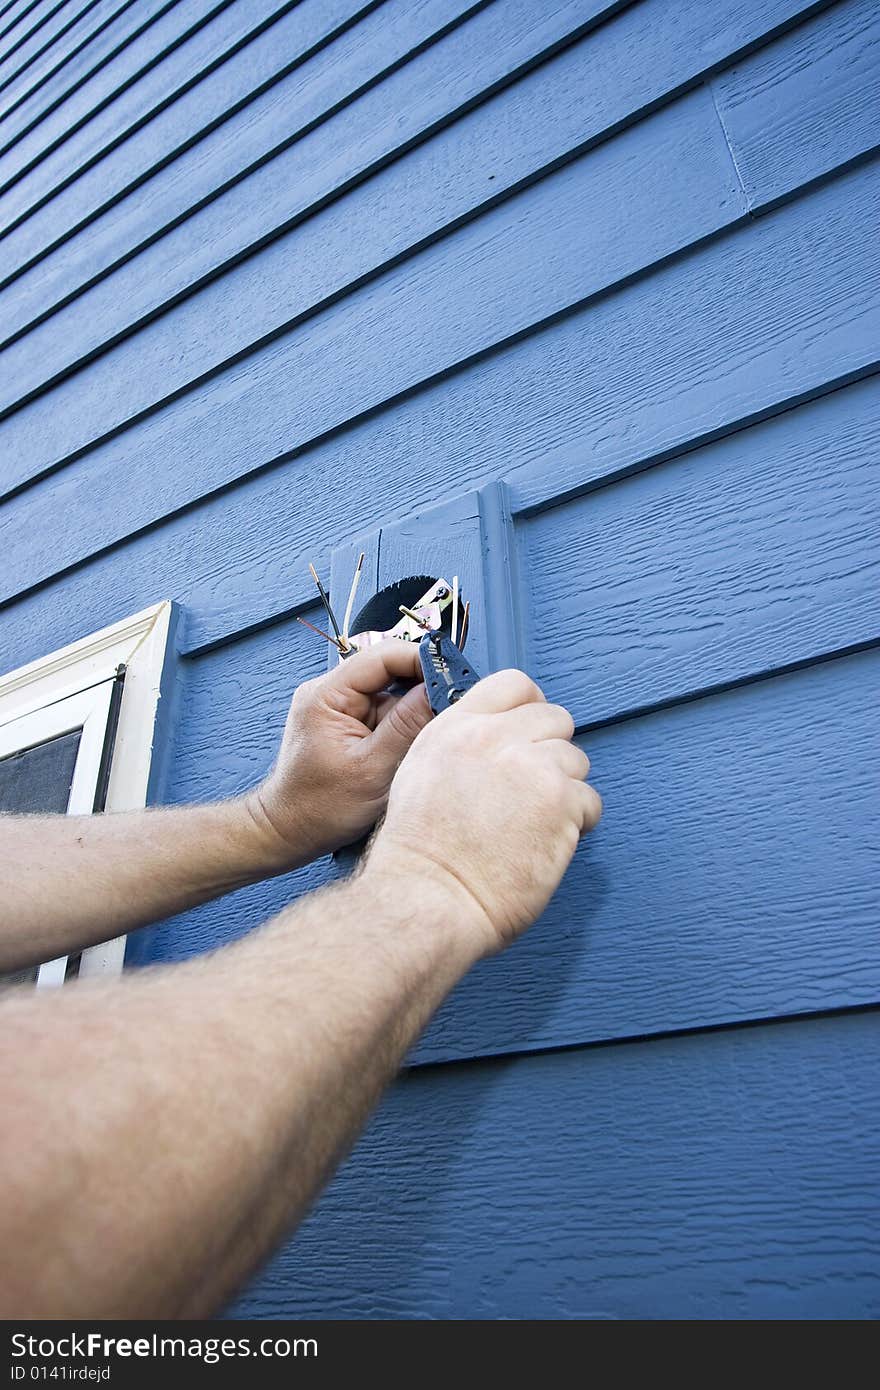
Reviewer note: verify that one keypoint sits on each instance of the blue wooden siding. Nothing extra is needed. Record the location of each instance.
(279, 277)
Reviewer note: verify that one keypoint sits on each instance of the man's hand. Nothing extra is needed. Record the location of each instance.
(343, 742)
(67, 882)
(206, 1140)
(490, 803)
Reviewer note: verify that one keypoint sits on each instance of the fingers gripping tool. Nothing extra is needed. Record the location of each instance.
(447, 672)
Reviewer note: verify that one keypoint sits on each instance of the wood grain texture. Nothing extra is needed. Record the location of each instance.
(743, 334)
(13, 13)
(431, 188)
(239, 559)
(730, 1176)
(504, 279)
(18, 32)
(241, 185)
(194, 87)
(746, 555)
(70, 173)
(42, 38)
(533, 256)
(576, 379)
(167, 269)
(254, 694)
(105, 22)
(732, 877)
(188, 178)
(100, 69)
(805, 104)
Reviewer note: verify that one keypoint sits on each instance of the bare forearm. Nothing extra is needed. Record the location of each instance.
(67, 882)
(187, 1116)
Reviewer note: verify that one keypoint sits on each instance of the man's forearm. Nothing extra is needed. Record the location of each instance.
(67, 882)
(166, 1131)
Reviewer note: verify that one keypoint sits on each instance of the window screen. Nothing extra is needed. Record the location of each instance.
(58, 748)
(37, 779)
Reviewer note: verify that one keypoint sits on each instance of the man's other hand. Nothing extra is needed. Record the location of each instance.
(343, 742)
(488, 806)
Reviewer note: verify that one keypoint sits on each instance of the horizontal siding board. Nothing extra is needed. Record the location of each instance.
(277, 663)
(172, 123)
(291, 177)
(732, 876)
(564, 340)
(239, 562)
(428, 189)
(575, 380)
(42, 76)
(728, 1176)
(262, 67)
(210, 66)
(20, 18)
(619, 209)
(14, 12)
(745, 317)
(100, 69)
(232, 570)
(229, 577)
(612, 64)
(805, 104)
(704, 572)
(25, 49)
(281, 658)
(165, 270)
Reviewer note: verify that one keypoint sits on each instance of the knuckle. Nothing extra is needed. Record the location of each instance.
(380, 651)
(564, 719)
(581, 762)
(520, 686)
(306, 693)
(408, 718)
(594, 809)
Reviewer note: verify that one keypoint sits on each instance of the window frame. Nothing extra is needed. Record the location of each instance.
(73, 688)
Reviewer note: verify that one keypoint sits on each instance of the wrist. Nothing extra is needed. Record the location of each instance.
(431, 895)
(267, 850)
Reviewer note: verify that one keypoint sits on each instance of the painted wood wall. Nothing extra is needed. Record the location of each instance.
(581, 298)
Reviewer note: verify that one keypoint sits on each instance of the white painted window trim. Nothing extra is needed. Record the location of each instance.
(72, 689)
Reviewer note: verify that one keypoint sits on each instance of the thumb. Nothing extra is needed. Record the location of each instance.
(392, 737)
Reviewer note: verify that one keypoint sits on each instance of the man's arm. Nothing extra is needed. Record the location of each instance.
(163, 1133)
(67, 882)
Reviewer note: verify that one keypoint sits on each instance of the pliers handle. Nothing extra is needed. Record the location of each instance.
(448, 674)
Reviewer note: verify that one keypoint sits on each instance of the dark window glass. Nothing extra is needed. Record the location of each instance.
(38, 779)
